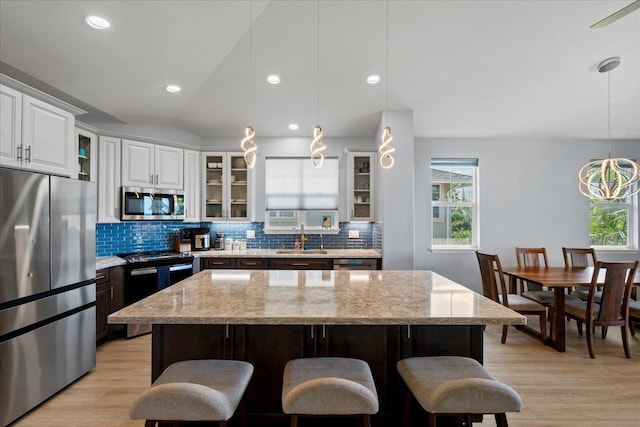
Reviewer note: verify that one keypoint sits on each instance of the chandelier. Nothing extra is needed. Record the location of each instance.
(609, 179)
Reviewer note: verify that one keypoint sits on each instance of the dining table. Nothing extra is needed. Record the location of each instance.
(559, 279)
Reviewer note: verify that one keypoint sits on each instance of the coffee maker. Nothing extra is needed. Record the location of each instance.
(219, 243)
(200, 239)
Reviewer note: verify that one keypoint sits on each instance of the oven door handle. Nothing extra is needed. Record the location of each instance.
(181, 267)
(144, 271)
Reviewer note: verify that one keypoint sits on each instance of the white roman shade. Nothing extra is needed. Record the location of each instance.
(291, 183)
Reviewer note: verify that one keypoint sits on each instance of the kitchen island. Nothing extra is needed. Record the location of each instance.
(268, 317)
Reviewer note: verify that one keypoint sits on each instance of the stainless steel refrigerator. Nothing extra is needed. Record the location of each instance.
(47, 287)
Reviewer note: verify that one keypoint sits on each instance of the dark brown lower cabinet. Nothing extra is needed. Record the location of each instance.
(109, 298)
(270, 347)
(301, 264)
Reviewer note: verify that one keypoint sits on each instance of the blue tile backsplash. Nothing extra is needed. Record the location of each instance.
(138, 236)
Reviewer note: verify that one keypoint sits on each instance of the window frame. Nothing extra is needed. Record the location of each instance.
(439, 206)
(631, 206)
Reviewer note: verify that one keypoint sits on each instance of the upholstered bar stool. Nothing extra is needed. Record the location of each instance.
(328, 386)
(447, 385)
(194, 390)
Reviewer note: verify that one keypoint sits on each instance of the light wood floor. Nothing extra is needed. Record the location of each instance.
(558, 389)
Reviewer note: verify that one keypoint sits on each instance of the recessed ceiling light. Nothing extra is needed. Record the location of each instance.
(97, 22)
(373, 79)
(293, 126)
(273, 79)
(173, 88)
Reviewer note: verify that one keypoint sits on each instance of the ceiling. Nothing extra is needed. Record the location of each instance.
(498, 69)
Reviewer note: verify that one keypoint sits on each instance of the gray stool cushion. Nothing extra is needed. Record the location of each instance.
(456, 385)
(194, 390)
(328, 386)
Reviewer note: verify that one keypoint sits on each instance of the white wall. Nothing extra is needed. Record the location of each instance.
(528, 197)
(396, 194)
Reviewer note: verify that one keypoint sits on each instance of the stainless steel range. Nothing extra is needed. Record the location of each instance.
(149, 272)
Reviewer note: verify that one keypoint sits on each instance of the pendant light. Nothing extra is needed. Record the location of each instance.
(247, 144)
(317, 146)
(609, 179)
(386, 149)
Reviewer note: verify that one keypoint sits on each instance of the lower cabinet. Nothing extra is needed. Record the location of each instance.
(301, 264)
(109, 298)
(269, 347)
(233, 263)
(216, 263)
(267, 263)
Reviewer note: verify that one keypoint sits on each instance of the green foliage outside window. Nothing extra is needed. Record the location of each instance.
(608, 225)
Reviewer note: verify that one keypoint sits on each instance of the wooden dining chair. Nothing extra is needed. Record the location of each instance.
(581, 257)
(531, 257)
(492, 277)
(613, 309)
(634, 315)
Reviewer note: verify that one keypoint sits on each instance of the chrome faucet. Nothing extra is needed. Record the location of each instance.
(302, 237)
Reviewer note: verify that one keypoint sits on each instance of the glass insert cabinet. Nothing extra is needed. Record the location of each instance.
(227, 187)
(86, 151)
(361, 173)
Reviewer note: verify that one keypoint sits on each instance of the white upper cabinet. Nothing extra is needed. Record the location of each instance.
(10, 126)
(361, 178)
(36, 135)
(47, 137)
(109, 179)
(192, 186)
(86, 150)
(169, 167)
(151, 165)
(227, 187)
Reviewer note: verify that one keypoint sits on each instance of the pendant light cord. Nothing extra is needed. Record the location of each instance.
(251, 55)
(609, 110)
(318, 67)
(387, 70)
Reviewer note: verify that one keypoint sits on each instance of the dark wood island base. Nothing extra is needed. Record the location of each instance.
(270, 347)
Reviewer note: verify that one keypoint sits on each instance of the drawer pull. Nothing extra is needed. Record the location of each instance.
(300, 264)
(250, 263)
(100, 276)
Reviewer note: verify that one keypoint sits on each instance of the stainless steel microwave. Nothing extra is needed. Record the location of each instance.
(151, 204)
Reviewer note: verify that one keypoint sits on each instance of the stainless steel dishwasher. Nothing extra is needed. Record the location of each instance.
(355, 264)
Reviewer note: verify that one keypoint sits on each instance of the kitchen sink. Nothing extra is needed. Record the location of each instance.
(301, 251)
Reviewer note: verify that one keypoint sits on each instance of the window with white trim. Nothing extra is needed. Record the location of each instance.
(454, 204)
(613, 223)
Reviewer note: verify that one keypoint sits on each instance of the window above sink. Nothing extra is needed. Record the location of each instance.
(315, 221)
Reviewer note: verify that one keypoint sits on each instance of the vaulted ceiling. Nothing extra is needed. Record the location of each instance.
(500, 69)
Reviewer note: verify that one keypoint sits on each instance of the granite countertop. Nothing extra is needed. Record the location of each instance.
(108, 261)
(273, 253)
(112, 261)
(274, 297)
